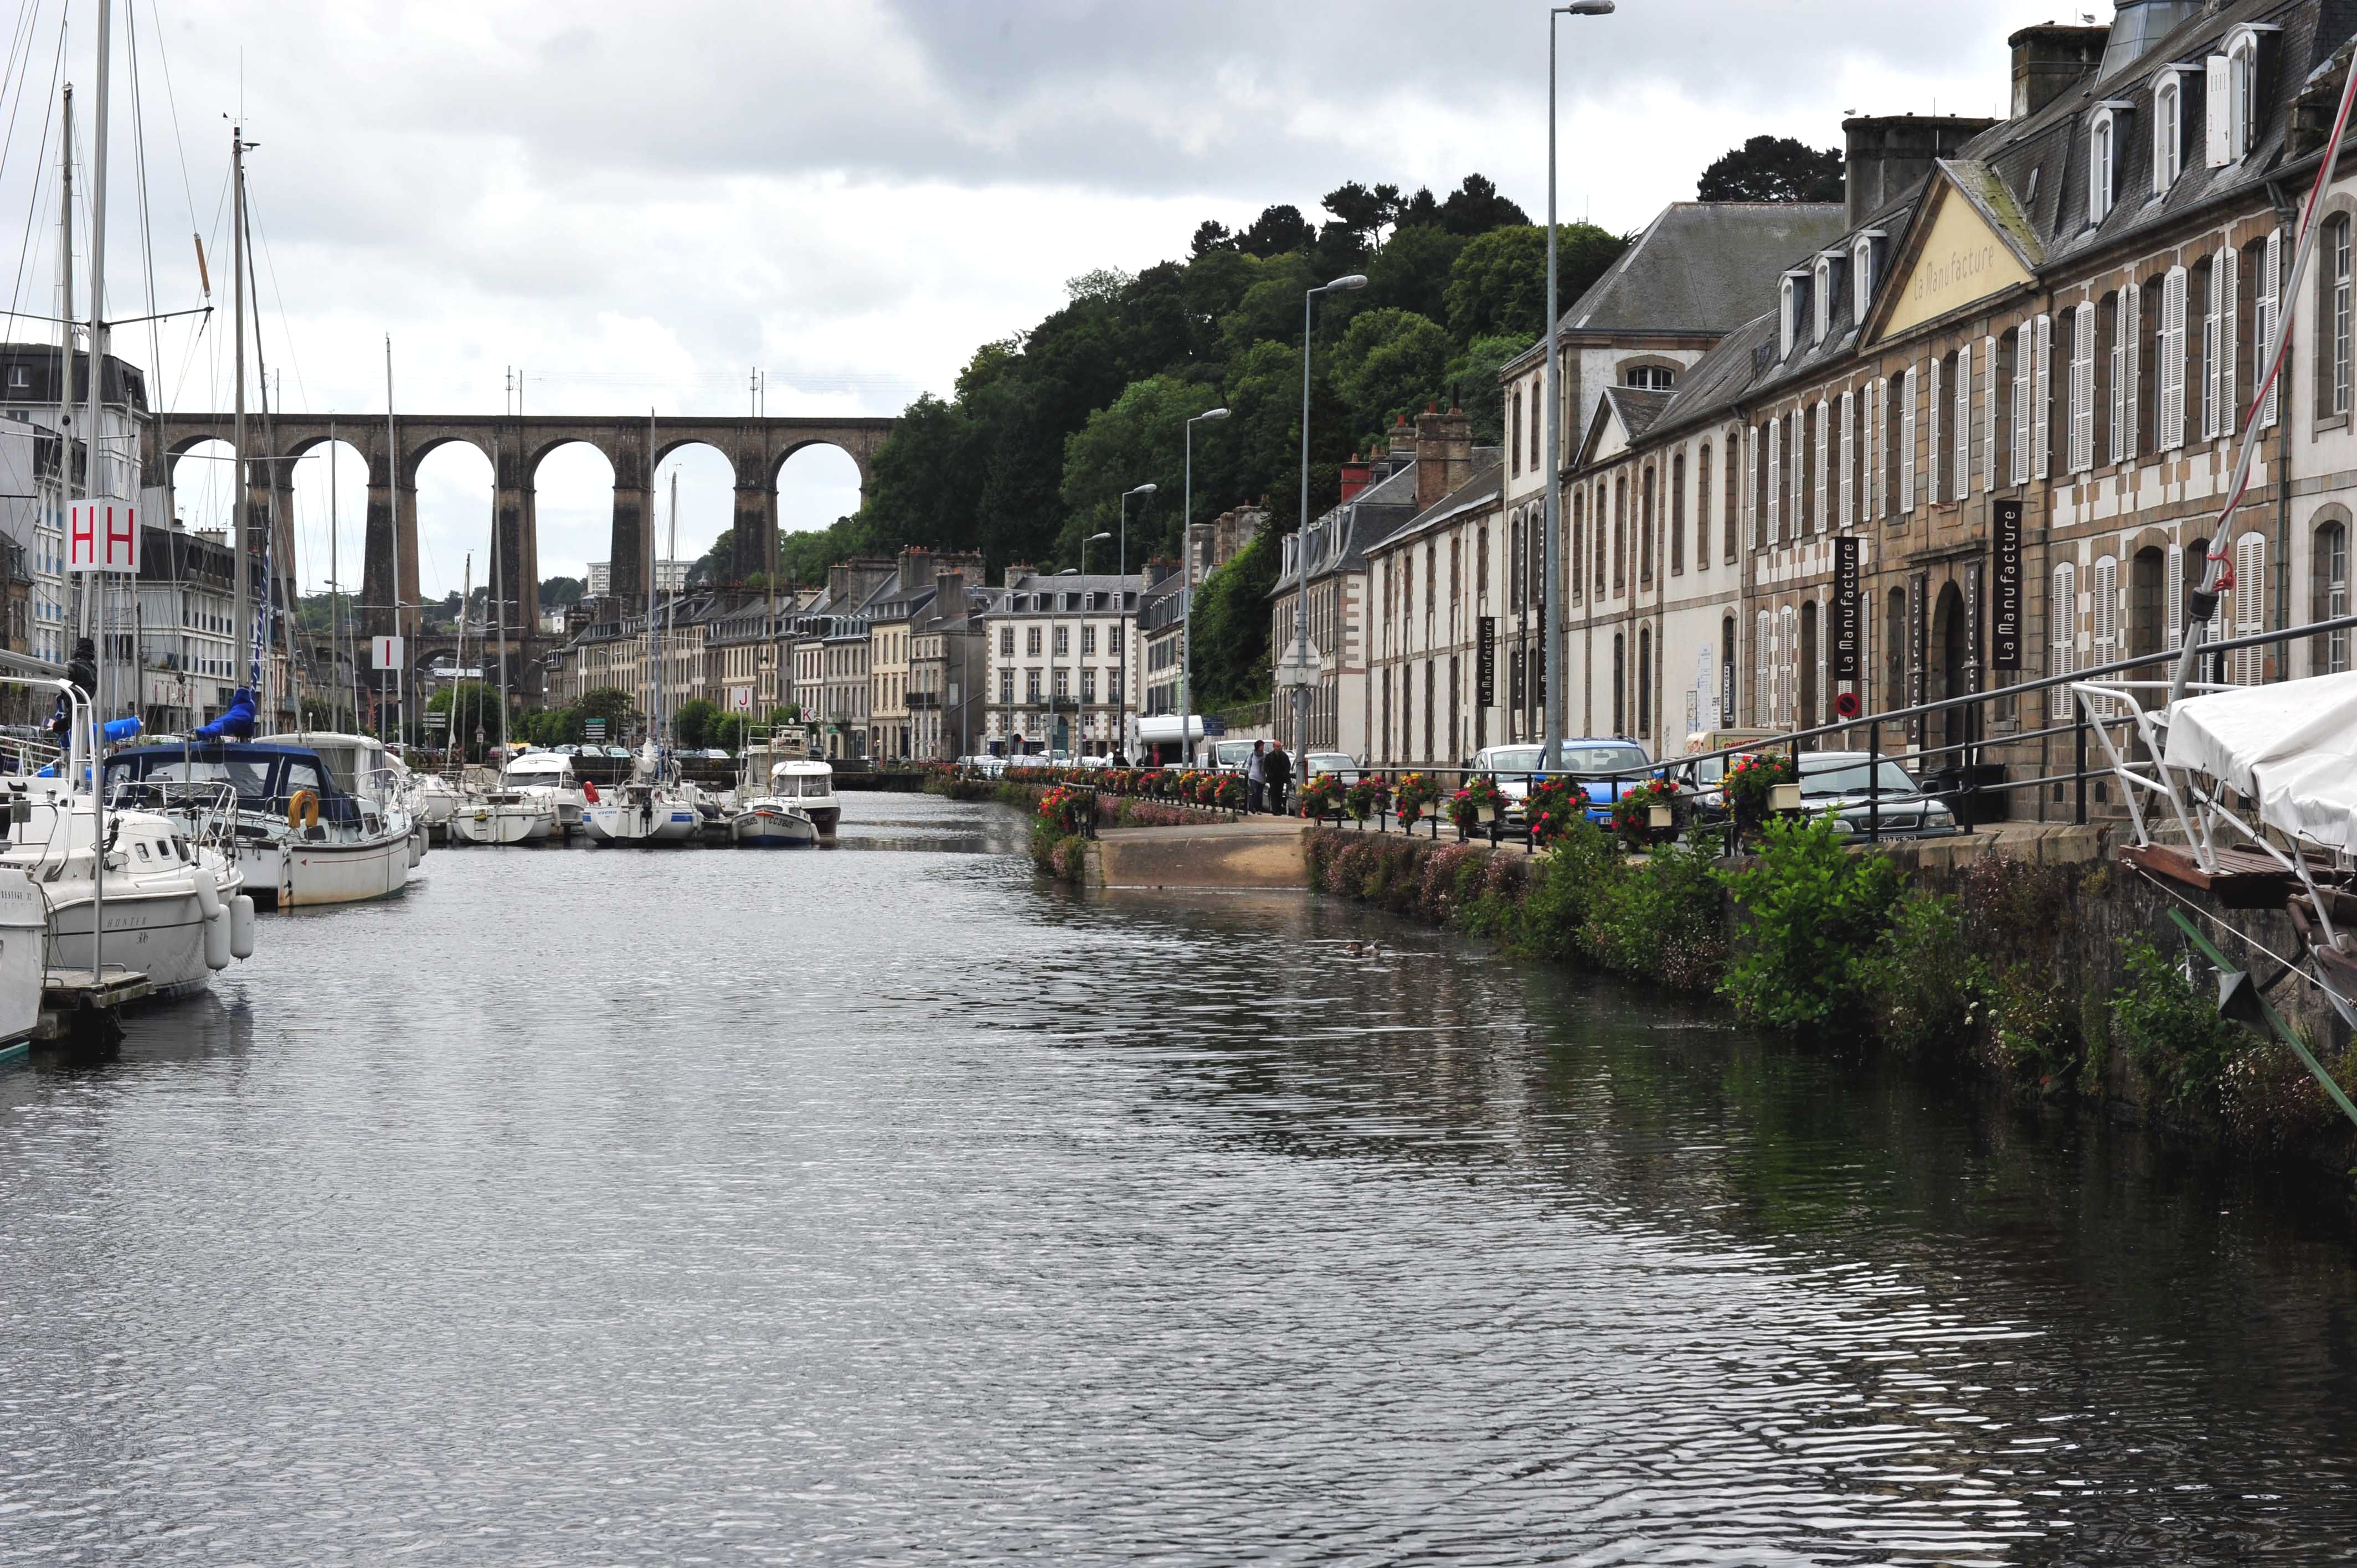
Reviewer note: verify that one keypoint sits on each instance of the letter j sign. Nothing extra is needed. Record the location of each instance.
(102, 536)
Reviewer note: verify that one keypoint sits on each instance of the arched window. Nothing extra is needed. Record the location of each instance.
(1649, 377)
(2242, 92)
(2333, 311)
(1702, 510)
(2168, 132)
(2102, 145)
(1678, 513)
(1516, 460)
(1620, 684)
(1645, 680)
(2328, 572)
(1619, 532)
(2062, 632)
(1646, 528)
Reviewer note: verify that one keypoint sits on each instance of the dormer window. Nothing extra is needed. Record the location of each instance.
(19, 378)
(2105, 136)
(2233, 83)
(2169, 128)
(1861, 272)
(1649, 377)
(1796, 312)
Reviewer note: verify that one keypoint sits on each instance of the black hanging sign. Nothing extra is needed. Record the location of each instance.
(2004, 596)
(1487, 662)
(1973, 570)
(1847, 627)
(1918, 588)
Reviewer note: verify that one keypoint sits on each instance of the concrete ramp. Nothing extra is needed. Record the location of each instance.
(1257, 853)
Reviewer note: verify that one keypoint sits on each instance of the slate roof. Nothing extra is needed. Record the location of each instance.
(1480, 490)
(1340, 536)
(1704, 266)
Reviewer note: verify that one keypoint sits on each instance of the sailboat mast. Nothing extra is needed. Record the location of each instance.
(97, 581)
(392, 508)
(654, 689)
(458, 669)
(499, 609)
(671, 553)
(242, 587)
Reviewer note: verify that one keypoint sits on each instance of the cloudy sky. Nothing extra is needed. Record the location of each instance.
(640, 205)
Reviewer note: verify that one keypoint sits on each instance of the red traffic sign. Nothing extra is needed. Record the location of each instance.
(1845, 705)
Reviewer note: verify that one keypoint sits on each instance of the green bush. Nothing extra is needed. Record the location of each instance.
(2170, 1028)
(1923, 980)
(1661, 919)
(1813, 913)
(1562, 887)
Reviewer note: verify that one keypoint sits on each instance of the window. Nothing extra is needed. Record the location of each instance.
(19, 378)
(1910, 407)
(1649, 377)
(1823, 294)
(1088, 685)
(1645, 522)
(1678, 513)
(2168, 131)
(2081, 326)
(1063, 640)
(1032, 642)
(2124, 375)
(1795, 309)
(2171, 432)
(2334, 309)
(1702, 508)
(2328, 596)
(1861, 277)
(1031, 685)
(1088, 639)
(2263, 332)
(1517, 422)
(2103, 146)
(2248, 666)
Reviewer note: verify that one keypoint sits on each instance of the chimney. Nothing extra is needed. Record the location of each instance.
(1402, 447)
(1356, 475)
(2049, 61)
(1443, 453)
(916, 567)
(1016, 571)
(1888, 155)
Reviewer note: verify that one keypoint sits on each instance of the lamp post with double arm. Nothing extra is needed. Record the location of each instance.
(1187, 586)
(1298, 665)
(1121, 624)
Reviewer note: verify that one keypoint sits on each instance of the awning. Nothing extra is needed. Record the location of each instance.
(2291, 747)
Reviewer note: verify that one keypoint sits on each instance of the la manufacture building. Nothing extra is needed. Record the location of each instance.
(2002, 403)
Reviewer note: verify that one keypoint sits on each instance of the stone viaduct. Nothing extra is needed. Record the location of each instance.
(755, 448)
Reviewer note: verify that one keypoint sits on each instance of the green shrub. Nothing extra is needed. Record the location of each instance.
(1560, 890)
(1812, 913)
(2170, 1028)
(1662, 919)
(1923, 980)
(2033, 1025)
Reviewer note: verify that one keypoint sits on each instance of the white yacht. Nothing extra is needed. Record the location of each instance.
(501, 816)
(24, 963)
(767, 822)
(320, 819)
(548, 777)
(432, 800)
(647, 810)
(808, 784)
(177, 909)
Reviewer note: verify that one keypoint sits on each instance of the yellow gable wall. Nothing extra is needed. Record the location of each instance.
(1962, 260)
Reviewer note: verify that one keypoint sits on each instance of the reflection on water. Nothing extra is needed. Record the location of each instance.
(890, 1205)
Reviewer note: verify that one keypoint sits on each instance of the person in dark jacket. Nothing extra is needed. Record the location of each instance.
(1277, 767)
(1256, 779)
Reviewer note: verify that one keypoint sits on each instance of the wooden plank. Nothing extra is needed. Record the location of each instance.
(2246, 878)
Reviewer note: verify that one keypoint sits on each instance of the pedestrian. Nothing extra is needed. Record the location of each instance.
(1278, 771)
(1256, 779)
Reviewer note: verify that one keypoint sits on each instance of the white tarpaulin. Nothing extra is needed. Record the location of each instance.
(2291, 747)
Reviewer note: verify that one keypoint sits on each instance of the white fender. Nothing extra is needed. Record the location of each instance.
(241, 927)
(416, 847)
(208, 899)
(216, 954)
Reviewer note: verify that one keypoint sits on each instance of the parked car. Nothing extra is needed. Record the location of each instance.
(1340, 764)
(1842, 780)
(1228, 755)
(622, 752)
(1584, 759)
(568, 749)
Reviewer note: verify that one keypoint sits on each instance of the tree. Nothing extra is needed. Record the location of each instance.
(1388, 362)
(557, 592)
(1138, 438)
(1277, 230)
(474, 708)
(1499, 283)
(1411, 273)
(1474, 374)
(1230, 632)
(1773, 168)
(691, 726)
(1475, 208)
(1210, 235)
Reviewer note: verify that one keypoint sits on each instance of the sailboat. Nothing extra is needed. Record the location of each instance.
(650, 807)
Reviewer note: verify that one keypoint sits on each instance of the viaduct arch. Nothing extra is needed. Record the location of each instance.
(516, 446)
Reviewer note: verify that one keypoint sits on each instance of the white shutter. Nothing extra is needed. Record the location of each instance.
(2218, 95)
(2062, 631)
(1849, 459)
(1824, 447)
(1788, 655)
(2131, 339)
(2264, 335)
(2104, 612)
(2171, 434)
(1763, 655)
(2250, 664)
(2083, 387)
(1989, 401)
(2175, 595)
(2123, 395)
(2041, 400)
(1751, 482)
(1960, 475)
(1878, 457)
(2209, 420)
(1775, 481)
(2025, 349)
(1932, 447)
(1907, 413)
(2228, 283)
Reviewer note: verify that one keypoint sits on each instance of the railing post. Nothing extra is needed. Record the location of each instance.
(1873, 783)
(2079, 758)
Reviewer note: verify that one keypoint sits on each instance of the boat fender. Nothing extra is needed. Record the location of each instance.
(208, 899)
(416, 847)
(589, 791)
(217, 944)
(303, 809)
(241, 927)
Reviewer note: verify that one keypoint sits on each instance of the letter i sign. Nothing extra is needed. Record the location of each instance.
(102, 536)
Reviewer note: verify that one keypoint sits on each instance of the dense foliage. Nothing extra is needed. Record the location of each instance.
(1773, 168)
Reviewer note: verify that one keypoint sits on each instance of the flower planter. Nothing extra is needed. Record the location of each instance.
(1784, 798)
(1485, 814)
(1657, 818)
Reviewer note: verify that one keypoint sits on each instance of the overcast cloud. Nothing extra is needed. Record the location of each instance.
(638, 205)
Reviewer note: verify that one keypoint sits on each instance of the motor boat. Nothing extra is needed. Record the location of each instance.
(432, 800)
(548, 776)
(24, 963)
(319, 819)
(176, 906)
(501, 816)
(770, 823)
(808, 785)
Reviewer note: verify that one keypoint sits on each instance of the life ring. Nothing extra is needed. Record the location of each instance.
(303, 809)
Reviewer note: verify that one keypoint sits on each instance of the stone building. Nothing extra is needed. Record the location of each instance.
(1061, 660)
(1436, 583)
(945, 668)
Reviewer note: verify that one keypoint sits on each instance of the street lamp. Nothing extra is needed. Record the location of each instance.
(1072, 745)
(1187, 585)
(1551, 602)
(1301, 673)
(1119, 605)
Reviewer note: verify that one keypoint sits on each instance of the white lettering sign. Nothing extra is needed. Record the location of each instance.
(384, 652)
(102, 536)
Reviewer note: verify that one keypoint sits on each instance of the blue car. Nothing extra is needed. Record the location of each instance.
(1513, 766)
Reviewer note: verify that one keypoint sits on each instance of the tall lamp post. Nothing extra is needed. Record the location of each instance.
(1120, 607)
(1297, 667)
(1187, 585)
(1551, 758)
(1072, 746)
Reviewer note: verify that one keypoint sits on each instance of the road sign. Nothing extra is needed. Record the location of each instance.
(593, 729)
(438, 721)
(102, 536)
(384, 652)
(740, 699)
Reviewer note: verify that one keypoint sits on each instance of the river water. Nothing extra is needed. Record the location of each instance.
(882, 1205)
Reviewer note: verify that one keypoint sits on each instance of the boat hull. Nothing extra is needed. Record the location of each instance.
(761, 829)
(24, 964)
(298, 875)
(660, 823)
(159, 935)
(491, 825)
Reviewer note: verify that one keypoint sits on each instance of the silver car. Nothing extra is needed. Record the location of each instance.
(1842, 781)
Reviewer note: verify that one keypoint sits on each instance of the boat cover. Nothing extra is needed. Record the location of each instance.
(2291, 747)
